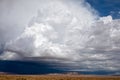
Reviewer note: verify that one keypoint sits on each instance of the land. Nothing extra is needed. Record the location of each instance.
(57, 77)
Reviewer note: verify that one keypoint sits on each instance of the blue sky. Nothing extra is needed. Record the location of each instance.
(106, 7)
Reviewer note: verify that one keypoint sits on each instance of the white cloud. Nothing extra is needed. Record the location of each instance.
(68, 31)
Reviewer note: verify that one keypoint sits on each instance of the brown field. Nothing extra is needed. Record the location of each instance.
(57, 77)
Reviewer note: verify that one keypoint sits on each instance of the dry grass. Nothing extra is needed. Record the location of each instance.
(57, 77)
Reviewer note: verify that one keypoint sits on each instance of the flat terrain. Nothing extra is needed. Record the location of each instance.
(57, 77)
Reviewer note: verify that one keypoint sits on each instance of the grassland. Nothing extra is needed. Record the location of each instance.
(57, 77)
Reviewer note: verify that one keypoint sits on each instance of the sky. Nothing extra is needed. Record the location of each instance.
(62, 35)
(106, 7)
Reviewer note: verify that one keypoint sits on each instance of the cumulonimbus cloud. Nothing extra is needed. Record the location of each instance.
(70, 31)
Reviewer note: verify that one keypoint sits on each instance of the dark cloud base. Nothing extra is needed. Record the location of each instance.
(33, 67)
(26, 67)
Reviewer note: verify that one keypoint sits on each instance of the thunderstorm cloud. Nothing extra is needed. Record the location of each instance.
(65, 31)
